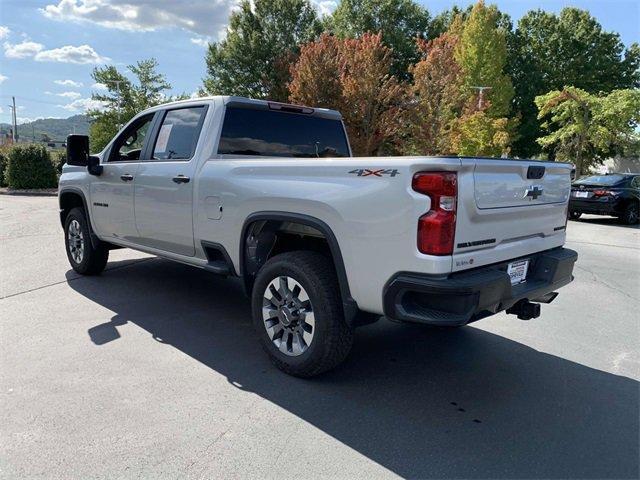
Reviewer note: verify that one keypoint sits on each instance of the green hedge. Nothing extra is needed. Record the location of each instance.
(58, 158)
(30, 166)
(4, 159)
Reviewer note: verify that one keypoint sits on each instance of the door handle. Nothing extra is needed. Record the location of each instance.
(181, 179)
(126, 177)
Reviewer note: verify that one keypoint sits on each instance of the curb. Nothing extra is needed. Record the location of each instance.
(44, 192)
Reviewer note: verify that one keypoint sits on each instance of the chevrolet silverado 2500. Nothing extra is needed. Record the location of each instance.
(321, 240)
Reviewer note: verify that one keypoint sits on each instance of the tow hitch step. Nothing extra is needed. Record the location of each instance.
(525, 310)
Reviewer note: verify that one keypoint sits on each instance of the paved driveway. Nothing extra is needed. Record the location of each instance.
(151, 370)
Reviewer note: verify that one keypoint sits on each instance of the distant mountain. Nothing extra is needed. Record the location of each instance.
(55, 128)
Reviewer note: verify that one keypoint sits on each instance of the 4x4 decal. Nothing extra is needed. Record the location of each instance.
(365, 172)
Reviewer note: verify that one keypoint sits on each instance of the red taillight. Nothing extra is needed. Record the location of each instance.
(436, 228)
(601, 193)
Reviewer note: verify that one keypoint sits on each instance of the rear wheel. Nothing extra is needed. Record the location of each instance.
(83, 256)
(630, 215)
(575, 215)
(298, 314)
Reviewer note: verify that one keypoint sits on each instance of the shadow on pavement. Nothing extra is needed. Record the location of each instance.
(422, 403)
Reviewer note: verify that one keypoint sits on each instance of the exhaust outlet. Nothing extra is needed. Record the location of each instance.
(525, 310)
(547, 298)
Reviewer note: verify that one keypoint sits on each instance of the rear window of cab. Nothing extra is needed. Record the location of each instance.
(254, 132)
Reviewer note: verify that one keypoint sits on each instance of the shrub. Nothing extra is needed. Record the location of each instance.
(4, 158)
(30, 166)
(58, 159)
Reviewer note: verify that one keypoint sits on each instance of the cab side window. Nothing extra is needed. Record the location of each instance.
(178, 134)
(128, 146)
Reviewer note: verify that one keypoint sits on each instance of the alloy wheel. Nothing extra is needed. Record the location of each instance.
(75, 241)
(288, 316)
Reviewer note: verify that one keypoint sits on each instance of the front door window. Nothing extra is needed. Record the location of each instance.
(128, 146)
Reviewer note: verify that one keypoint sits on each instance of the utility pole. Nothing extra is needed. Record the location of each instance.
(481, 91)
(117, 83)
(14, 121)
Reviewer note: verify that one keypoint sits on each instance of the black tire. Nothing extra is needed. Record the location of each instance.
(630, 215)
(332, 336)
(575, 215)
(93, 260)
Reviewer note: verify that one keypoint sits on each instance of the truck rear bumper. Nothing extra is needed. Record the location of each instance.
(464, 297)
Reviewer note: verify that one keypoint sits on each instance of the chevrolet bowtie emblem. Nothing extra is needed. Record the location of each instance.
(533, 192)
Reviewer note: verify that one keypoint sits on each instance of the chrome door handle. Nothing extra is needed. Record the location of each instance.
(181, 179)
(126, 177)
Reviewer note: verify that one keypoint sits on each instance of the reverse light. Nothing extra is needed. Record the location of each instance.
(436, 228)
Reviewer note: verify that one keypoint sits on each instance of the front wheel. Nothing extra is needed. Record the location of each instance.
(298, 314)
(575, 215)
(83, 256)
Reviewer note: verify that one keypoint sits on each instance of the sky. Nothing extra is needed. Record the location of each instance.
(48, 48)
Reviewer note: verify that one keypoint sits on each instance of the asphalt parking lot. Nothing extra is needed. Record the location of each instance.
(151, 370)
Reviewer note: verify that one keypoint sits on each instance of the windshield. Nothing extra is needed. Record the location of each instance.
(605, 180)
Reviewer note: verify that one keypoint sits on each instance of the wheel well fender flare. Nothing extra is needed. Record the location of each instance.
(95, 241)
(350, 305)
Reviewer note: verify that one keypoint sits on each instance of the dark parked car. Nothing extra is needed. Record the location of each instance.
(614, 194)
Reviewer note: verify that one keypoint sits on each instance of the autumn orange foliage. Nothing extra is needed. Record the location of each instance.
(437, 89)
(352, 76)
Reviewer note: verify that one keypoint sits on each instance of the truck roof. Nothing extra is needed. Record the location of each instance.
(250, 102)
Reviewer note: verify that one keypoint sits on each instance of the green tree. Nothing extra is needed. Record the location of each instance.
(124, 98)
(477, 134)
(262, 41)
(551, 51)
(482, 55)
(441, 23)
(585, 128)
(399, 21)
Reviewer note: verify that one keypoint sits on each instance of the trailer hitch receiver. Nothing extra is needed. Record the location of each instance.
(525, 310)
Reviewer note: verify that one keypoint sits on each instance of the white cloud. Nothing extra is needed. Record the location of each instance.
(325, 7)
(81, 54)
(201, 41)
(22, 50)
(71, 95)
(99, 86)
(21, 120)
(1, 110)
(4, 32)
(83, 104)
(199, 16)
(3, 78)
(68, 83)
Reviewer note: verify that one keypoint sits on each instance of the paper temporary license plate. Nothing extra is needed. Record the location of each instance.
(582, 194)
(518, 271)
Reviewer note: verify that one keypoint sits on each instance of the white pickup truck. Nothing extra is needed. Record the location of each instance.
(322, 241)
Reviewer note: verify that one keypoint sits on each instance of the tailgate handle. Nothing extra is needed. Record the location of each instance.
(535, 172)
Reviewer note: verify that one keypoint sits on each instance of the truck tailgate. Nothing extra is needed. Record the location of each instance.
(509, 209)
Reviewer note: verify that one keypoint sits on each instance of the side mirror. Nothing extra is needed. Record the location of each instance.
(78, 150)
(94, 166)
